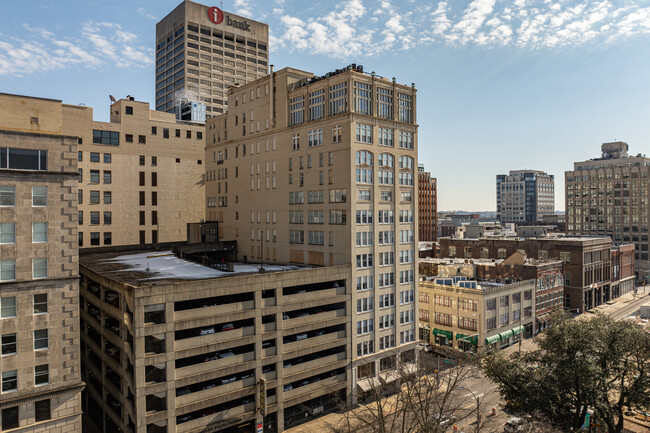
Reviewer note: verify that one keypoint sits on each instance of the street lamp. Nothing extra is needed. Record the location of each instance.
(478, 405)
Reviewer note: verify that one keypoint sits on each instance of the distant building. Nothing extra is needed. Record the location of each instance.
(201, 51)
(588, 276)
(427, 206)
(608, 196)
(525, 196)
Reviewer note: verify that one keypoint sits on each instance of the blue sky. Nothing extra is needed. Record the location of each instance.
(501, 84)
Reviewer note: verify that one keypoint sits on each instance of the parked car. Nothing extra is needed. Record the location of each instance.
(207, 330)
(226, 354)
(211, 357)
(288, 387)
(183, 418)
(226, 380)
(515, 424)
(182, 391)
(301, 337)
(227, 327)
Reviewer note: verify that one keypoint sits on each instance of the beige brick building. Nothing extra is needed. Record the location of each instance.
(173, 346)
(39, 315)
(321, 171)
(201, 51)
(141, 174)
(609, 196)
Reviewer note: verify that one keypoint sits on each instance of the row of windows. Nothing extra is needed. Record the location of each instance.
(8, 269)
(384, 216)
(108, 237)
(23, 159)
(8, 195)
(10, 343)
(10, 379)
(42, 412)
(8, 306)
(95, 196)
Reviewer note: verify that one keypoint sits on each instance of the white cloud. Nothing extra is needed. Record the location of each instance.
(144, 13)
(94, 45)
(243, 7)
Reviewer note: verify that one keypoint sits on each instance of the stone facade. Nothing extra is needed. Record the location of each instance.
(427, 206)
(39, 291)
(313, 170)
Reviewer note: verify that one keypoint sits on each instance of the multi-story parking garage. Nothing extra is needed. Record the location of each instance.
(169, 345)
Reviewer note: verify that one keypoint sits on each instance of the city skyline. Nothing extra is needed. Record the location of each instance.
(561, 77)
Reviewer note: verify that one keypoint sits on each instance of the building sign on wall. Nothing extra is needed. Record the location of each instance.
(216, 16)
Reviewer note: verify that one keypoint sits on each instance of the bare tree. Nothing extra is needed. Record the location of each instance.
(422, 398)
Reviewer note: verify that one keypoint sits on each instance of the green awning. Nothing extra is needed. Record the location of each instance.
(505, 334)
(469, 338)
(493, 339)
(442, 333)
(518, 330)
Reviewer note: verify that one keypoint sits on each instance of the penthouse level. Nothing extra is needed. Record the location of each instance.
(170, 345)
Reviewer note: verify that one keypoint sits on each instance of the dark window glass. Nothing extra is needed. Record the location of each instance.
(106, 137)
(142, 218)
(154, 217)
(154, 236)
(108, 238)
(94, 238)
(94, 176)
(142, 236)
(154, 130)
(188, 134)
(42, 410)
(107, 176)
(154, 161)
(141, 159)
(81, 239)
(94, 197)
(142, 139)
(199, 135)
(142, 198)
(165, 134)
(128, 138)
(108, 218)
(154, 198)
(107, 158)
(94, 217)
(178, 133)
(10, 418)
(142, 178)
(94, 157)
(129, 110)
(23, 159)
(154, 179)
(81, 217)
(80, 156)
(80, 196)
(108, 197)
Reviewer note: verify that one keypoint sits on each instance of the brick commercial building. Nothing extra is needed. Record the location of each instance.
(322, 171)
(427, 206)
(475, 315)
(548, 276)
(39, 282)
(174, 346)
(200, 52)
(141, 175)
(608, 196)
(525, 196)
(588, 278)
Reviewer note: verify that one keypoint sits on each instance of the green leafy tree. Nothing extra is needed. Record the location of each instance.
(586, 363)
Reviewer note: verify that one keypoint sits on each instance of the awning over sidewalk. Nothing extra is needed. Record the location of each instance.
(493, 339)
(442, 333)
(469, 338)
(389, 376)
(518, 330)
(368, 384)
(505, 334)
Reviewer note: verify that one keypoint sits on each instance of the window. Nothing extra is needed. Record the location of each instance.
(39, 268)
(42, 410)
(142, 139)
(7, 195)
(315, 138)
(363, 195)
(297, 112)
(365, 283)
(338, 195)
(108, 197)
(10, 418)
(296, 237)
(387, 279)
(364, 133)
(128, 138)
(39, 232)
(94, 238)
(23, 159)
(106, 137)
(9, 382)
(386, 217)
(94, 176)
(80, 237)
(39, 196)
(94, 197)
(362, 98)
(501, 253)
(40, 303)
(338, 217)
(129, 110)
(385, 137)
(364, 261)
(491, 304)
(165, 132)
(365, 326)
(7, 233)
(406, 140)
(8, 344)
(504, 319)
(107, 158)
(41, 374)
(338, 98)
(94, 218)
(295, 141)
(108, 237)
(384, 103)
(40, 339)
(405, 102)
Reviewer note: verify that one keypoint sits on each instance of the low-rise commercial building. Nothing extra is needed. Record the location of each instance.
(588, 279)
(170, 345)
(469, 315)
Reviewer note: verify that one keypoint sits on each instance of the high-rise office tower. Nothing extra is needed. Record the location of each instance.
(322, 171)
(609, 196)
(427, 206)
(525, 196)
(200, 52)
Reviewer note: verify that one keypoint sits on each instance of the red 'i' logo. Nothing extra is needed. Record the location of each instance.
(215, 15)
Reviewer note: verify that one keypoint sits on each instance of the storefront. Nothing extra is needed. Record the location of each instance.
(467, 343)
(442, 337)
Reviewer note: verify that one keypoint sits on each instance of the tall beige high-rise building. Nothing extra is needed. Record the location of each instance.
(525, 196)
(609, 196)
(200, 52)
(39, 279)
(322, 171)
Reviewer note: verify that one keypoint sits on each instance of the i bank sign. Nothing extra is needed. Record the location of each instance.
(216, 16)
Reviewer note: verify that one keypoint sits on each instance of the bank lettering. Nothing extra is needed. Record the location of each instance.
(216, 16)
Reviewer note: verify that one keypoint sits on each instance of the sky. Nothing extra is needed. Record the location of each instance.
(502, 85)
